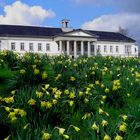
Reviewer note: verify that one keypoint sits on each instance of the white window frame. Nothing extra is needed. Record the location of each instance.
(39, 47)
(111, 49)
(105, 48)
(13, 46)
(47, 47)
(31, 45)
(117, 49)
(22, 46)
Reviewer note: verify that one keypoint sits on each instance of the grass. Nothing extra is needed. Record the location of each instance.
(43, 97)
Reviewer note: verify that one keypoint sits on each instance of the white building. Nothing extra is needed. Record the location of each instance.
(65, 40)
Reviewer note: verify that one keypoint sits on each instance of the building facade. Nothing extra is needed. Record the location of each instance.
(65, 40)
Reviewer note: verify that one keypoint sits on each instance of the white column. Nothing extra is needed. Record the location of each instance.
(75, 49)
(82, 48)
(60, 46)
(95, 49)
(68, 48)
(89, 49)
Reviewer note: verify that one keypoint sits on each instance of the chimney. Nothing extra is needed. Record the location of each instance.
(65, 25)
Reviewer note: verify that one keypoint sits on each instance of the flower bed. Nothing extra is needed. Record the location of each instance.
(56, 98)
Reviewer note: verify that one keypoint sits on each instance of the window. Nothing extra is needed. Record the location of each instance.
(22, 46)
(13, 46)
(105, 48)
(58, 48)
(0, 44)
(39, 47)
(128, 49)
(48, 47)
(85, 48)
(111, 49)
(79, 48)
(98, 49)
(92, 48)
(30, 46)
(117, 49)
(135, 50)
(72, 48)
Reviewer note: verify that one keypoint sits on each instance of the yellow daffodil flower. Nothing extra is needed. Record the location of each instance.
(104, 123)
(46, 136)
(118, 137)
(31, 102)
(107, 137)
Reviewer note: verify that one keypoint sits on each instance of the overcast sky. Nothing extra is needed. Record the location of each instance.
(105, 15)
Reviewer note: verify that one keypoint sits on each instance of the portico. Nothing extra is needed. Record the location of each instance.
(75, 45)
(77, 48)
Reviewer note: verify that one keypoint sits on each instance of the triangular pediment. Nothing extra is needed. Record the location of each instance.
(80, 33)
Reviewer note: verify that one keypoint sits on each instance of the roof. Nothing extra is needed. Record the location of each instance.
(111, 36)
(28, 31)
(34, 31)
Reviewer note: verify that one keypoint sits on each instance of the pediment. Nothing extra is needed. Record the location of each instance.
(79, 33)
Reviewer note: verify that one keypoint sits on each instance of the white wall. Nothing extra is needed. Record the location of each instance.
(121, 47)
(6, 45)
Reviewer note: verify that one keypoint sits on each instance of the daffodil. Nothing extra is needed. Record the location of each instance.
(101, 111)
(39, 94)
(86, 100)
(7, 138)
(124, 117)
(61, 131)
(122, 127)
(31, 102)
(66, 91)
(95, 127)
(36, 71)
(72, 78)
(26, 126)
(58, 77)
(87, 115)
(22, 71)
(107, 137)
(72, 95)
(46, 136)
(81, 93)
(118, 137)
(106, 90)
(7, 108)
(22, 113)
(48, 104)
(44, 75)
(47, 86)
(71, 103)
(104, 123)
(54, 101)
(97, 82)
(43, 103)
(9, 100)
(66, 136)
(16, 110)
(13, 92)
(77, 129)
